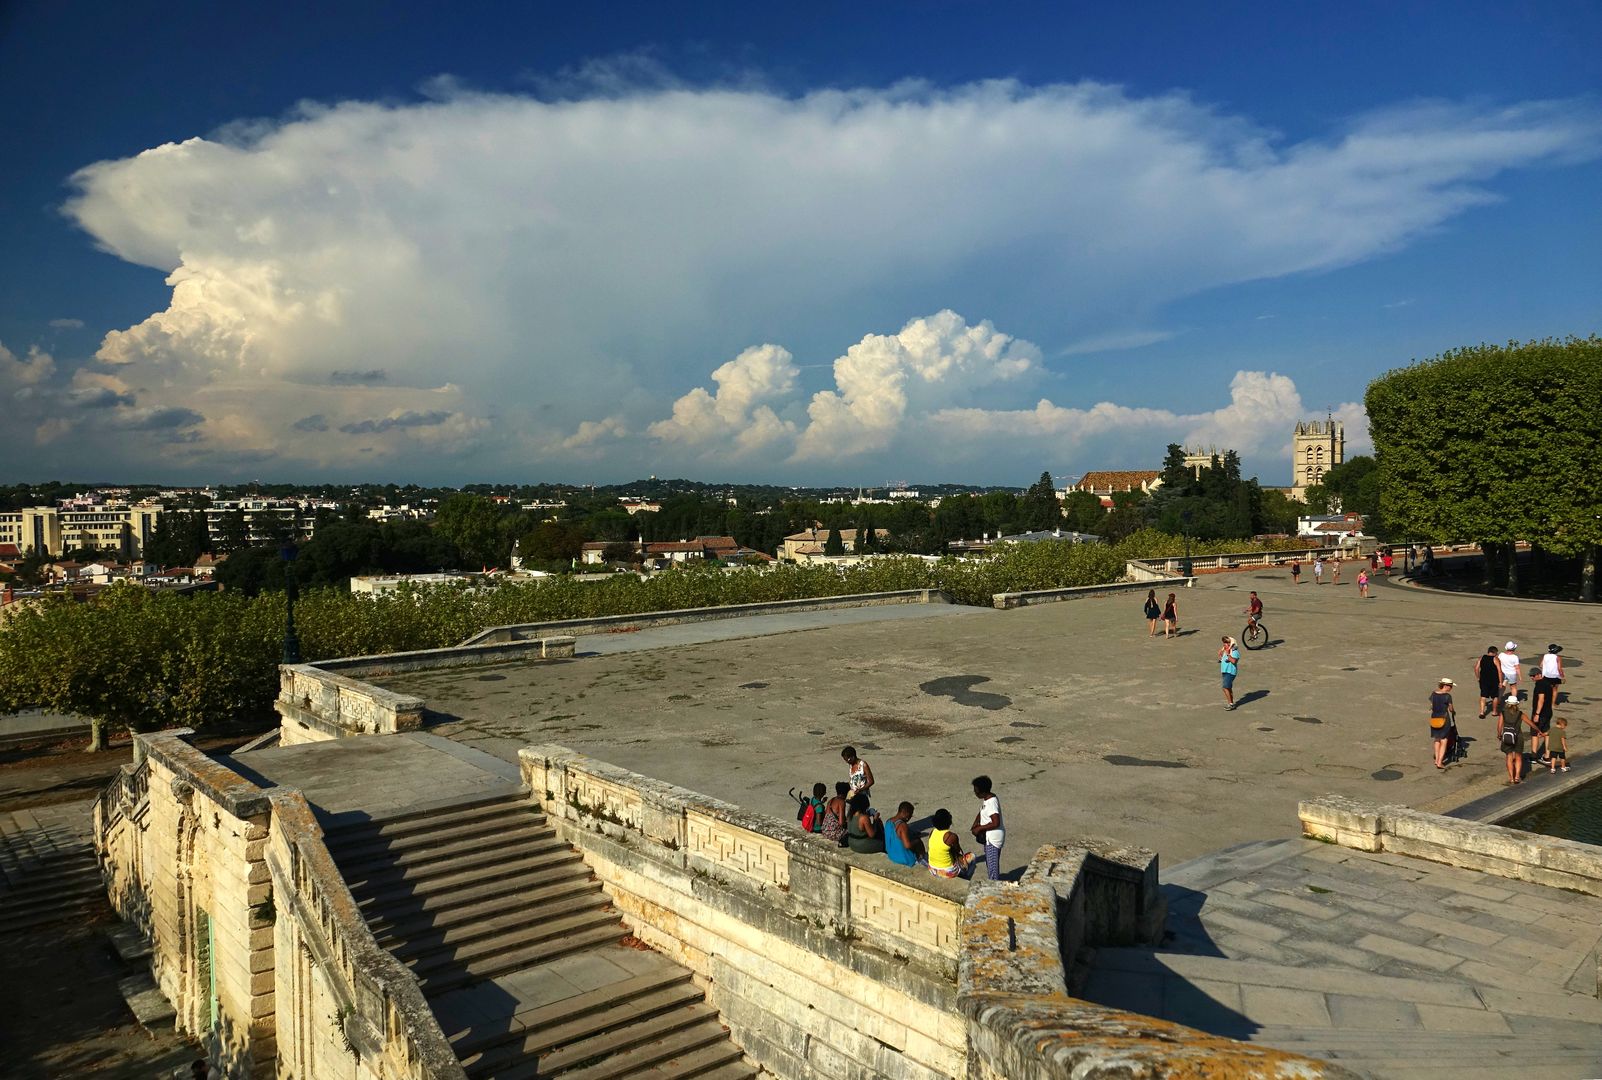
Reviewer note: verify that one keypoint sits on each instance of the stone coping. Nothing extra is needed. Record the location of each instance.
(218, 782)
(1009, 601)
(903, 910)
(643, 619)
(466, 654)
(1019, 941)
(1492, 849)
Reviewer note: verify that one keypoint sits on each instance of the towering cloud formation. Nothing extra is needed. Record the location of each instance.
(475, 274)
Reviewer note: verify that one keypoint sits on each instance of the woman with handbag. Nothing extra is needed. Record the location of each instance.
(1442, 717)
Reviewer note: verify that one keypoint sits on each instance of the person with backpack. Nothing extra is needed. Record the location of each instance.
(810, 811)
(1442, 717)
(1510, 735)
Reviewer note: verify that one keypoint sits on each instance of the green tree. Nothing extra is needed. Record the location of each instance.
(1496, 444)
(834, 545)
(1085, 513)
(474, 523)
(1039, 506)
(233, 532)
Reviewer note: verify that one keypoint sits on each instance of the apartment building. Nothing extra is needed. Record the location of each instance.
(53, 530)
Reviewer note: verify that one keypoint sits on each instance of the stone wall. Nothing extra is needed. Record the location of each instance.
(1009, 601)
(1493, 849)
(1021, 947)
(255, 938)
(329, 700)
(645, 619)
(821, 962)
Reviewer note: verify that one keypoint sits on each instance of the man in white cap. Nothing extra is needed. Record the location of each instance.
(1508, 661)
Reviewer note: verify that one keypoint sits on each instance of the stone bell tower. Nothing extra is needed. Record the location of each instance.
(1320, 445)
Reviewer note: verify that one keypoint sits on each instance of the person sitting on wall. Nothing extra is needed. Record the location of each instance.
(864, 830)
(900, 842)
(834, 814)
(946, 857)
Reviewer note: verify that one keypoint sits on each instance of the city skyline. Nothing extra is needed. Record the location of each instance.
(489, 244)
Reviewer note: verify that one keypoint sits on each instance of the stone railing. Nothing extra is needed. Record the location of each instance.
(1021, 945)
(1492, 849)
(1169, 565)
(645, 619)
(821, 962)
(118, 815)
(1009, 601)
(329, 700)
(376, 1003)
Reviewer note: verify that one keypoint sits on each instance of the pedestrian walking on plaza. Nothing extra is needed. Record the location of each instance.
(1170, 616)
(987, 828)
(1387, 560)
(1296, 572)
(1508, 667)
(861, 777)
(1407, 559)
(1335, 569)
(1362, 584)
(1228, 665)
(1552, 668)
(1318, 570)
(1373, 561)
(1489, 674)
(1541, 698)
(1443, 716)
(1510, 734)
(1560, 746)
(1154, 612)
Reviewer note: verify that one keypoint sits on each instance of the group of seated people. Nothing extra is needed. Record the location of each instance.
(849, 819)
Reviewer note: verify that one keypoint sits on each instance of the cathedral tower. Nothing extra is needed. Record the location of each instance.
(1320, 445)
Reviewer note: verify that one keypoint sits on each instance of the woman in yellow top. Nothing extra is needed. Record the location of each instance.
(946, 857)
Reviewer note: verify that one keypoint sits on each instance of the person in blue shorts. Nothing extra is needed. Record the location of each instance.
(1228, 665)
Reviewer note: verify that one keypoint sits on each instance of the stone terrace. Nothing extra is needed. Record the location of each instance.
(1087, 726)
(1393, 966)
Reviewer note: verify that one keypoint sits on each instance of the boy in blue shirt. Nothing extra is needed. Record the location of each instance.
(1228, 665)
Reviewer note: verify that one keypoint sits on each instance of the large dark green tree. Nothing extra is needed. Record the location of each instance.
(1497, 444)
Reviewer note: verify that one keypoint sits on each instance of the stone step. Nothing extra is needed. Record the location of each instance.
(459, 975)
(396, 896)
(432, 940)
(446, 846)
(737, 1070)
(565, 1026)
(716, 1054)
(490, 856)
(43, 898)
(1429, 1043)
(357, 849)
(425, 819)
(698, 1027)
(469, 1043)
(12, 922)
(51, 879)
(411, 927)
(429, 958)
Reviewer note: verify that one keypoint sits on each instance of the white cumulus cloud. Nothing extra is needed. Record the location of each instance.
(523, 263)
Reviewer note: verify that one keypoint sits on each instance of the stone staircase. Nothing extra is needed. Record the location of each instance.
(520, 953)
(48, 870)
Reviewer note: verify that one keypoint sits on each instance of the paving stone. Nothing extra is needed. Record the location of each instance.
(1281, 1005)
(587, 971)
(1452, 1018)
(1394, 929)
(1128, 990)
(1243, 926)
(1320, 949)
(1493, 955)
(1408, 953)
(1470, 887)
(529, 988)
(1371, 1013)
(1554, 1006)
(1311, 908)
(1206, 1005)
(1452, 928)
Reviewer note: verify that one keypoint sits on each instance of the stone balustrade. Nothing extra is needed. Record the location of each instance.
(329, 700)
(1493, 849)
(821, 961)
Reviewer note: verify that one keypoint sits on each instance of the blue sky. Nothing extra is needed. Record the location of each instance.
(840, 244)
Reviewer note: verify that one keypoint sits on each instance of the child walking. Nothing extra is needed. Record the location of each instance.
(1559, 745)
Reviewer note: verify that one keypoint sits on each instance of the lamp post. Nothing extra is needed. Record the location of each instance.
(1185, 568)
(291, 639)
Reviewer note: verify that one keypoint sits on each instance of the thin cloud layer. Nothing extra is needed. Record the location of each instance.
(505, 267)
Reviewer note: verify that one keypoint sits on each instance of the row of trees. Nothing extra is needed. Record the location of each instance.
(1498, 444)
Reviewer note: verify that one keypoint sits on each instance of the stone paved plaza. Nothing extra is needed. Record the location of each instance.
(1087, 726)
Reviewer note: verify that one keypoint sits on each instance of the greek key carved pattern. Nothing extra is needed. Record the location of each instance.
(893, 907)
(758, 857)
(604, 798)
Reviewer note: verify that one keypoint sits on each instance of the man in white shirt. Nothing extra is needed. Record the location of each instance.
(1508, 661)
(987, 825)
